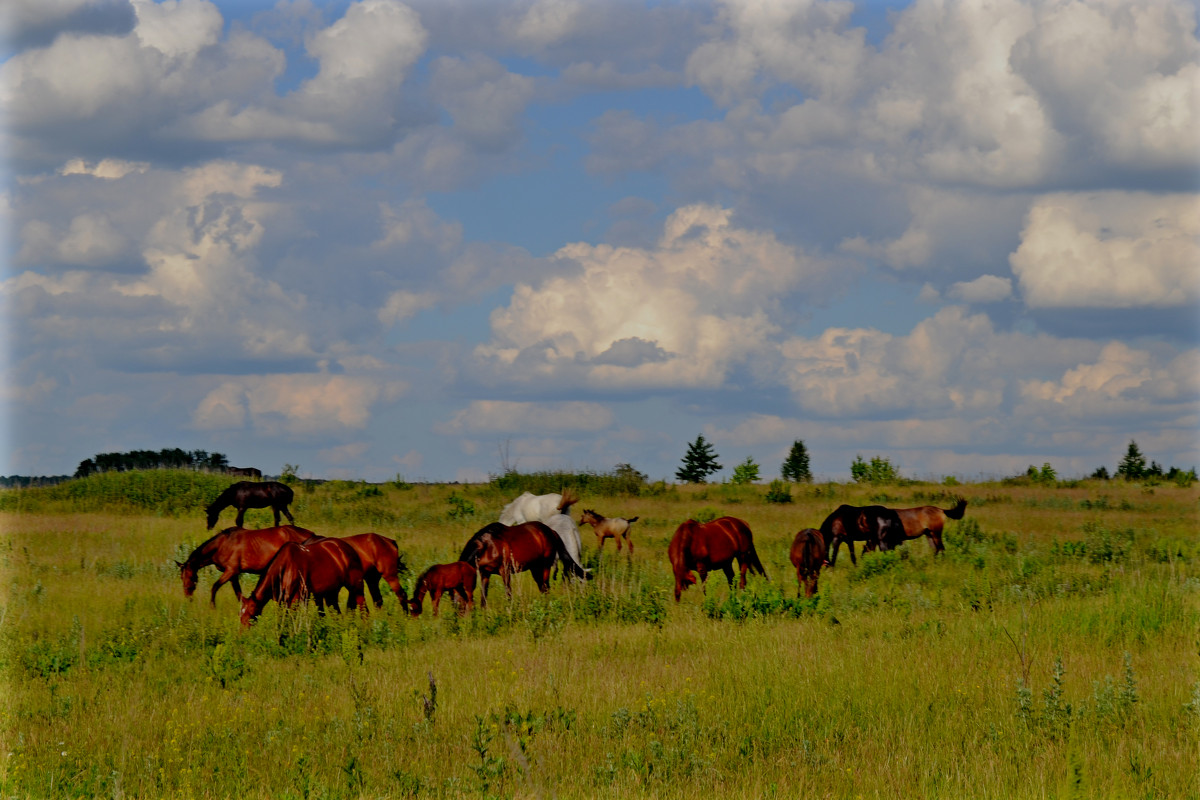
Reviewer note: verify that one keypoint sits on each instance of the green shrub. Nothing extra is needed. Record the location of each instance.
(779, 492)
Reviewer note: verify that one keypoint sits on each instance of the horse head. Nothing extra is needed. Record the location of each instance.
(187, 574)
(250, 610)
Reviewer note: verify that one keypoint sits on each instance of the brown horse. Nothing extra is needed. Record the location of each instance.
(244, 472)
(608, 528)
(380, 557)
(878, 526)
(808, 555)
(234, 551)
(319, 570)
(499, 549)
(457, 578)
(712, 545)
(928, 521)
(248, 494)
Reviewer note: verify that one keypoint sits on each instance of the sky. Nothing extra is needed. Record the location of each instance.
(439, 239)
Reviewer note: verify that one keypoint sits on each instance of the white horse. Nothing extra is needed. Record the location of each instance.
(537, 508)
(566, 529)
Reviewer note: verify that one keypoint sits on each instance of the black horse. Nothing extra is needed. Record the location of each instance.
(248, 494)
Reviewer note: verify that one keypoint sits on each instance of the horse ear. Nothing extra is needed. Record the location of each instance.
(179, 564)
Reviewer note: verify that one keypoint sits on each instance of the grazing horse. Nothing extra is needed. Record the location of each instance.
(568, 531)
(712, 545)
(247, 494)
(808, 555)
(234, 551)
(457, 578)
(878, 526)
(608, 528)
(537, 508)
(503, 550)
(245, 472)
(928, 521)
(320, 570)
(380, 557)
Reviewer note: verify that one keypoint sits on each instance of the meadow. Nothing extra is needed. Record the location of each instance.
(1053, 650)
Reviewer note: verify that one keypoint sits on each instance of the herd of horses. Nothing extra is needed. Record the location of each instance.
(534, 534)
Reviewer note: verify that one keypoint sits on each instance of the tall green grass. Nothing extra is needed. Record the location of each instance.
(1050, 652)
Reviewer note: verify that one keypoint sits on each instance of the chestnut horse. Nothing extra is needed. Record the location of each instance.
(498, 549)
(249, 494)
(608, 528)
(457, 578)
(808, 555)
(234, 551)
(320, 570)
(712, 545)
(877, 526)
(380, 557)
(928, 521)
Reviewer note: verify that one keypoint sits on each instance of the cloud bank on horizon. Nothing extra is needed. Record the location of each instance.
(381, 237)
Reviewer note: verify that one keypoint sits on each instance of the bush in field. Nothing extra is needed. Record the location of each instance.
(779, 492)
(877, 470)
(745, 472)
(623, 480)
(168, 492)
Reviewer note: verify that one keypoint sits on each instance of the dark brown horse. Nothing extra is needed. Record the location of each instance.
(928, 521)
(234, 551)
(380, 557)
(245, 472)
(878, 526)
(808, 555)
(499, 549)
(457, 578)
(248, 494)
(320, 570)
(712, 545)
(608, 528)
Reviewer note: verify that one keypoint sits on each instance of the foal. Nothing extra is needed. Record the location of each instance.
(608, 528)
(458, 579)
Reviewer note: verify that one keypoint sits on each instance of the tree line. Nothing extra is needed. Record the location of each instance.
(167, 458)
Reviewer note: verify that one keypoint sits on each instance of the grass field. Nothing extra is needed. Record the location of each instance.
(1052, 651)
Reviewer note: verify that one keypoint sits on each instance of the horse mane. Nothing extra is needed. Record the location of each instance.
(472, 545)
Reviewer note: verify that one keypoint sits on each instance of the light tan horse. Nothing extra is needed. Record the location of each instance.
(608, 528)
(929, 521)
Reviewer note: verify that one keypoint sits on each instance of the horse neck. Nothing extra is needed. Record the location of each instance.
(206, 553)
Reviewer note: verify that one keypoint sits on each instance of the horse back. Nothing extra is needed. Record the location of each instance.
(808, 550)
(530, 542)
(377, 553)
(723, 539)
(331, 564)
(253, 550)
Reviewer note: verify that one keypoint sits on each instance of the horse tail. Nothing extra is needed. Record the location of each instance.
(570, 565)
(752, 560)
(958, 511)
(569, 498)
(632, 520)
(471, 550)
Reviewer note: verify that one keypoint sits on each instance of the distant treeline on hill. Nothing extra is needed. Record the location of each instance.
(25, 481)
(167, 458)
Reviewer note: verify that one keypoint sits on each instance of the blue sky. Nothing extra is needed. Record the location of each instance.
(376, 237)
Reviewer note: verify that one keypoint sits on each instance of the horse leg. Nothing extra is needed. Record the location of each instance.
(483, 586)
(468, 600)
(226, 576)
(401, 595)
(850, 547)
(728, 570)
(286, 513)
(373, 587)
(435, 597)
(241, 516)
(629, 541)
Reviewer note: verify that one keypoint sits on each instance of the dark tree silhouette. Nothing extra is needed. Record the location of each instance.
(699, 462)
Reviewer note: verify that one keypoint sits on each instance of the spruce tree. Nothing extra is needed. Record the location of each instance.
(699, 462)
(795, 467)
(1133, 465)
